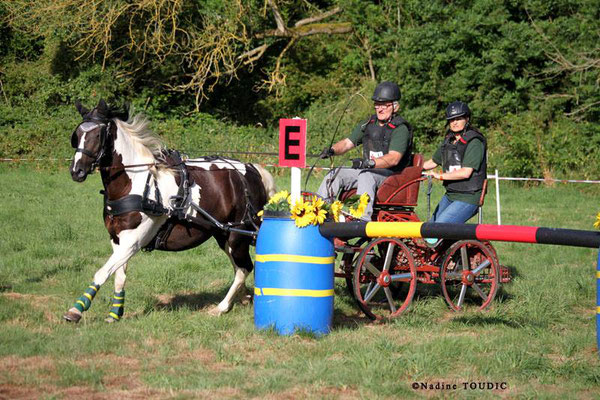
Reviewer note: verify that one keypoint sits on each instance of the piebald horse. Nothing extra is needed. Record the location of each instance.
(143, 200)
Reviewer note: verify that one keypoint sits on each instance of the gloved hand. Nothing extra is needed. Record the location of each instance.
(359, 163)
(326, 153)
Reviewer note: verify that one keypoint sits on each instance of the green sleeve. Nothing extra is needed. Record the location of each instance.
(399, 139)
(437, 156)
(357, 135)
(473, 154)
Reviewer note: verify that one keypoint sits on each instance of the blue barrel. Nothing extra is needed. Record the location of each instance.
(293, 283)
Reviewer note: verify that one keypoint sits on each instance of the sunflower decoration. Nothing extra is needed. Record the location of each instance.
(363, 200)
(597, 223)
(302, 213)
(279, 202)
(318, 210)
(313, 210)
(335, 210)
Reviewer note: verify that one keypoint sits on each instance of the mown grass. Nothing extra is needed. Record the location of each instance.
(538, 337)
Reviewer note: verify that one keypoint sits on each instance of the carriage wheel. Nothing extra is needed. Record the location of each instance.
(348, 263)
(469, 275)
(385, 278)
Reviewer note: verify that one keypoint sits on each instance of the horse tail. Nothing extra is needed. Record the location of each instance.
(267, 180)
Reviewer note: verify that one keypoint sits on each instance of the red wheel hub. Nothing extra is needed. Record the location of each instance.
(468, 278)
(384, 279)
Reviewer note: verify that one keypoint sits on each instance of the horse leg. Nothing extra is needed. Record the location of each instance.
(237, 249)
(121, 254)
(118, 300)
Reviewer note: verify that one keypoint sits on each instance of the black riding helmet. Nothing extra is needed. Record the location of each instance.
(386, 91)
(457, 109)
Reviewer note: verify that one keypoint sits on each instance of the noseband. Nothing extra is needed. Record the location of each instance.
(104, 133)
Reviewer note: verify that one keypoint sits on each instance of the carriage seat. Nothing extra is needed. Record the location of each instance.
(401, 189)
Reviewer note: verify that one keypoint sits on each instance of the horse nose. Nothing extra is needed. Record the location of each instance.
(78, 174)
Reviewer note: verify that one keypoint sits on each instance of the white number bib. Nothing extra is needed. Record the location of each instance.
(375, 154)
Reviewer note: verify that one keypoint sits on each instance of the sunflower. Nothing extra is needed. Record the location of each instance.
(277, 197)
(317, 202)
(302, 213)
(320, 216)
(298, 209)
(362, 205)
(336, 208)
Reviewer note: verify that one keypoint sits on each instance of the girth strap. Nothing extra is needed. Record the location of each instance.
(135, 202)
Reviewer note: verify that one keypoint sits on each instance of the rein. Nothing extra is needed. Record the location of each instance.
(128, 166)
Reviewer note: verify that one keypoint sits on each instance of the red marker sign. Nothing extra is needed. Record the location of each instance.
(292, 143)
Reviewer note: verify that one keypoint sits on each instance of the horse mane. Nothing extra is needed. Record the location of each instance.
(146, 141)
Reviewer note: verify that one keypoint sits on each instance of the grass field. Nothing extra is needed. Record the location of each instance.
(537, 341)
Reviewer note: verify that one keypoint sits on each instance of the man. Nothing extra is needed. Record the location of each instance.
(387, 143)
(463, 157)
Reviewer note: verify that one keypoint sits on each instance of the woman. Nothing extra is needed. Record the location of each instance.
(463, 157)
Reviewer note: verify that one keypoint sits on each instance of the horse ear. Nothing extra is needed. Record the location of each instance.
(80, 108)
(102, 106)
(126, 108)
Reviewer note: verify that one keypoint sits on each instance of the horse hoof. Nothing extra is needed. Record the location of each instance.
(216, 311)
(71, 316)
(110, 320)
(246, 299)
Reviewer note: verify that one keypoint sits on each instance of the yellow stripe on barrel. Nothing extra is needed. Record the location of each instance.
(292, 292)
(294, 258)
(394, 229)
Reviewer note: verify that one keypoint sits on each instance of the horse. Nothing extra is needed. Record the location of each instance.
(155, 200)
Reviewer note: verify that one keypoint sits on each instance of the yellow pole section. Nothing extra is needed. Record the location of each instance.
(394, 229)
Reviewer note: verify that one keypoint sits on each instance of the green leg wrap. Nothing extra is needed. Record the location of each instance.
(85, 301)
(118, 302)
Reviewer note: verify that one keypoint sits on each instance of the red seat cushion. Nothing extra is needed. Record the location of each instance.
(400, 189)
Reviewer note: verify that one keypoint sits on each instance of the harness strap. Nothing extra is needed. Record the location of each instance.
(135, 202)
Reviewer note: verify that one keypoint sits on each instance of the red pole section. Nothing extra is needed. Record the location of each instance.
(506, 233)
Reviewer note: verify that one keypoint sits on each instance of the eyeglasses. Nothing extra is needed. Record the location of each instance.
(383, 105)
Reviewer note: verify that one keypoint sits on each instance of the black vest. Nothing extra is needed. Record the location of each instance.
(377, 139)
(452, 156)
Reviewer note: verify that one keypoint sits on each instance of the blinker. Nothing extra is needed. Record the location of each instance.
(74, 139)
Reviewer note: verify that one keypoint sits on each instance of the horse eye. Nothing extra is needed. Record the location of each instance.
(74, 140)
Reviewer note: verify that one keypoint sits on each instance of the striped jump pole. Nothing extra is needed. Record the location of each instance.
(505, 233)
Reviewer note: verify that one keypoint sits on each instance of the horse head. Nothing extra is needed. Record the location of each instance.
(92, 139)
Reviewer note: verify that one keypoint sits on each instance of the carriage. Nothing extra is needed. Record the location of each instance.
(152, 201)
(382, 273)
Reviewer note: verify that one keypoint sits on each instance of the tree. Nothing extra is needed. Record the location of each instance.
(199, 44)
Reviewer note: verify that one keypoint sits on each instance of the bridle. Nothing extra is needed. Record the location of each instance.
(104, 126)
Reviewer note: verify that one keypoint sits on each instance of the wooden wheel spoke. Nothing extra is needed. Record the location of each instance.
(455, 276)
(401, 277)
(486, 263)
(373, 270)
(479, 291)
(390, 299)
(369, 295)
(461, 296)
(464, 258)
(388, 256)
